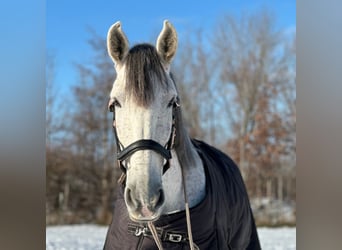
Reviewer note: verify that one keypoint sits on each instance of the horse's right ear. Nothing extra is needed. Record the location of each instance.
(117, 43)
(167, 42)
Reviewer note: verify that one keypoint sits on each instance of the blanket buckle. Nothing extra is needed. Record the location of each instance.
(175, 237)
(139, 231)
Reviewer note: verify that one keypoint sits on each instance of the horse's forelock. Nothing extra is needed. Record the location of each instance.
(144, 70)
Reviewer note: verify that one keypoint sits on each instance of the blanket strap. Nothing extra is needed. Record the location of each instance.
(163, 235)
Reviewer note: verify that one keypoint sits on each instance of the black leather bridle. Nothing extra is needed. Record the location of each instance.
(145, 144)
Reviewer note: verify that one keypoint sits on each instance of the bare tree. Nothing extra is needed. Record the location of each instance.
(92, 126)
(50, 97)
(247, 58)
(194, 74)
(57, 155)
(80, 168)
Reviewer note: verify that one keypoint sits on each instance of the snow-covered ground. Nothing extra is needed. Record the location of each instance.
(84, 237)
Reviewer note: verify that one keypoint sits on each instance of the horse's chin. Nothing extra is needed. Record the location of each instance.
(140, 218)
(144, 213)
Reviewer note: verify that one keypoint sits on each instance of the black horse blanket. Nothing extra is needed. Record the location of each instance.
(223, 220)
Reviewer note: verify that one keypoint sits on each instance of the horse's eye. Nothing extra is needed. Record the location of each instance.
(112, 104)
(116, 103)
(174, 102)
(171, 103)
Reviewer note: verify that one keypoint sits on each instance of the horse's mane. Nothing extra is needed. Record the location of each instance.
(144, 69)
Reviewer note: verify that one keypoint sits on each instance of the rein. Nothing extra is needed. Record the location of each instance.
(147, 144)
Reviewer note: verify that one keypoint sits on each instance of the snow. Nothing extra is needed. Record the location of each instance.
(72, 237)
(84, 237)
(283, 238)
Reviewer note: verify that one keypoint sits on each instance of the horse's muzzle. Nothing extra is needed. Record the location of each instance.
(146, 208)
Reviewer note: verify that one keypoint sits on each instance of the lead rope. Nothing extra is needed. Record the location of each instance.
(153, 230)
(155, 234)
(193, 246)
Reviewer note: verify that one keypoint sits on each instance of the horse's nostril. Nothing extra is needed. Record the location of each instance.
(157, 200)
(160, 200)
(128, 197)
(153, 203)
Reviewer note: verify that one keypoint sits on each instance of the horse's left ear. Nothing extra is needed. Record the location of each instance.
(167, 42)
(117, 43)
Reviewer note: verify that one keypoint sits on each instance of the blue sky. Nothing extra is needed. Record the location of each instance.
(67, 23)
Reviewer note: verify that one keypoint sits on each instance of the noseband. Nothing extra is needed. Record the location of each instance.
(145, 144)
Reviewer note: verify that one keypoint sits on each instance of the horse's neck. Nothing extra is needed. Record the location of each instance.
(173, 186)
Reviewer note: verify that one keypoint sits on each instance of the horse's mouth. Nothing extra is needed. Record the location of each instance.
(141, 211)
(144, 215)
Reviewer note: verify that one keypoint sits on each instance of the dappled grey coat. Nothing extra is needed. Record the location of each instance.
(223, 220)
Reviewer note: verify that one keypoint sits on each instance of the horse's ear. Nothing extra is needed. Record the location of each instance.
(117, 43)
(167, 42)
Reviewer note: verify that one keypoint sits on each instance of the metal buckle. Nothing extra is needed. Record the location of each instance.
(139, 231)
(175, 237)
(173, 137)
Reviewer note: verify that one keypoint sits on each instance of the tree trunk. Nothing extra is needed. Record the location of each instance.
(242, 160)
(66, 193)
(258, 187)
(280, 187)
(269, 188)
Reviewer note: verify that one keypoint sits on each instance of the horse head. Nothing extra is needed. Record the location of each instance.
(143, 99)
